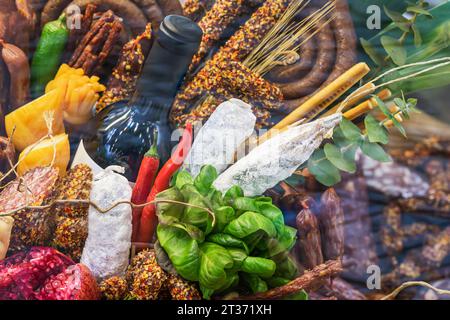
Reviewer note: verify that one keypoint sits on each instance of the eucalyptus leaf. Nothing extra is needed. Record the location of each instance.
(375, 131)
(375, 151)
(336, 157)
(350, 130)
(322, 169)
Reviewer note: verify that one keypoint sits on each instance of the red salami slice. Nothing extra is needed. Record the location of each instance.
(31, 227)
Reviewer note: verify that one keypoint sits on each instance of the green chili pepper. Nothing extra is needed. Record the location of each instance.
(47, 57)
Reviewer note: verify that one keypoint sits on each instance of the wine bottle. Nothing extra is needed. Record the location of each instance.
(124, 130)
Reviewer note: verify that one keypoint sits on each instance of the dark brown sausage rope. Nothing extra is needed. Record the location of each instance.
(346, 50)
(283, 74)
(318, 74)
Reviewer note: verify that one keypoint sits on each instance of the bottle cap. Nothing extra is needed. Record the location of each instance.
(180, 33)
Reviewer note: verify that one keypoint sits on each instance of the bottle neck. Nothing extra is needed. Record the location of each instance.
(162, 75)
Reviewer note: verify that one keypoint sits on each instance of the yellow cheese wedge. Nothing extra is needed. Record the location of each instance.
(28, 123)
(41, 155)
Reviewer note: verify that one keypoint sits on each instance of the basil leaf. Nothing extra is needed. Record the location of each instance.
(232, 281)
(248, 223)
(183, 178)
(375, 151)
(233, 193)
(286, 267)
(163, 259)
(228, 241)
(193, 215)
(301, 295)
(214, 260)
(182, 250)
(276, 282)
(284, 242)
(206, 292)
(224, 215)
(245, 204)
(335, 156)
(205, 179)
(165, 209)
(194, 232)
(255, 283)
(375, 132)
(238, 256)
(273, 213)
(264, 268)
(254, 239)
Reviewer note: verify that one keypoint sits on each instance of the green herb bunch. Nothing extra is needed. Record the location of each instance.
(395, 46)
(340, 153)
(244, 245)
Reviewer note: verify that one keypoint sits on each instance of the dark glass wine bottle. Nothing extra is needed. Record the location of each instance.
(125, 129)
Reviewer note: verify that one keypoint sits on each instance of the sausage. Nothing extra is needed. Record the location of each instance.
(296, 71)
(127, 10)
(19, 74)
(152, 10)
(346, 43)
(4, 95)
(170, 7)
(309, 241)
(52, 10)
(318, 74)
(331, 220)
(27, 12)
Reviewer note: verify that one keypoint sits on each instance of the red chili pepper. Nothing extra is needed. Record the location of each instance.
(145, 179)
(162, 182)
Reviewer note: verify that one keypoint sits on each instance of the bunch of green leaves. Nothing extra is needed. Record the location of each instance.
(339, 154)
(395, 44)
(244, 244)
(425, 35)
